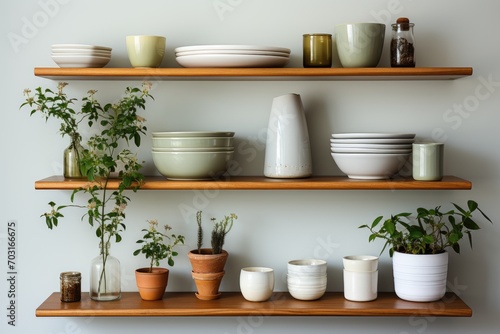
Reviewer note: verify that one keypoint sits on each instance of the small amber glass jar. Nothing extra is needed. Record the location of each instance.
(317, 50)
(71, 286)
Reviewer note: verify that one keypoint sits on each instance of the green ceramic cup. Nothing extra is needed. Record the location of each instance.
(145, 51)
(360, 44)
(428, 161)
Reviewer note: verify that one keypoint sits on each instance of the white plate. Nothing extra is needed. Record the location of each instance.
(362, 145)
(228, 60)
(370, 150)
(80, 46)
(232, 47)
(371, 135)
(249, 52)
(373, 141)
(80, 61)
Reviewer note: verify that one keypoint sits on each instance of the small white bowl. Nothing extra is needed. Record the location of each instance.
(307, 266)
(370, 166)
(306, 294)
(81, 61)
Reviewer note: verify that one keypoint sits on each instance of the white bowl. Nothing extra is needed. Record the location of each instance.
(192, 142)
(192, 165)
(81, 61)
(306, 281)
(370, 150)
(306, 294)
(80, 47)
(360, 263)
(307, 266)
(176, 134)
(370, 166)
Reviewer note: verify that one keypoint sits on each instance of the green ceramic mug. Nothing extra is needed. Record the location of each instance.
(145, 51)
(428, 161)
(360, 44)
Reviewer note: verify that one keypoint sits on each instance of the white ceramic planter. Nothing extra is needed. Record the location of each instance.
(420, 278)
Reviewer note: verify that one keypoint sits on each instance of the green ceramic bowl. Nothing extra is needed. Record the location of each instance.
(192, 165)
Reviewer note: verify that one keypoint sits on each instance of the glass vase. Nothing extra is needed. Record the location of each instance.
(105, 276)
(72, 156)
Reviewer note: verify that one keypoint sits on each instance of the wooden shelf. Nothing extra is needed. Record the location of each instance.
(233, 304)
(375, 73)
(264, 183)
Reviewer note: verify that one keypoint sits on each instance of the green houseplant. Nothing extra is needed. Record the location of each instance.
(156, 246)
(418, 244)
(115, 126)
(432, 232)
(208, 263)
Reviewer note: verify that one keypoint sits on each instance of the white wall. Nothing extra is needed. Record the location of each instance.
(274, 226)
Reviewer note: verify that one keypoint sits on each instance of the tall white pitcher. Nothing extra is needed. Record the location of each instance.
(288, 151)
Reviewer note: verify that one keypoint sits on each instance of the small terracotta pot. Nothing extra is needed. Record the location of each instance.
(151, 285)
(207, 285)
(206, 262)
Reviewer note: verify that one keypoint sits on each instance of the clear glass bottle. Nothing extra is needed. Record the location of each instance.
(105, 276)
(402, 44)
(71, 288)
(72, 156)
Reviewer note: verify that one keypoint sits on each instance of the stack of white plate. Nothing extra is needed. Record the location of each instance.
(232, 56)
(80, 55)
(371, 155)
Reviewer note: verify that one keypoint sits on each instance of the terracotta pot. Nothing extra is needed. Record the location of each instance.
(207, 285)
(206, 262)
(151, 285)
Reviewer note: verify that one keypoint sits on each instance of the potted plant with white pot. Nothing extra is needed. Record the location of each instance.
(156, 246)
(418, 247)
(208, 263)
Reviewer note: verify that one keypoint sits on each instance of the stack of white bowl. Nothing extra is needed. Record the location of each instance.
(232, 56)
(306, 279)
(80, 55)
(372, 155)
(194, 155)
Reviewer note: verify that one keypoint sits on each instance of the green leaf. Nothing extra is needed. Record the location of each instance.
(470, 224)
(376, 221)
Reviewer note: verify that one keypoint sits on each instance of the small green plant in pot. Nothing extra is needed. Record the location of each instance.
(208, 263)
(418, 247)
(156, 246)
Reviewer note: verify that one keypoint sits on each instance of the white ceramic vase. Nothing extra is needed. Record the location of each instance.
(288, 151)
(420, 277)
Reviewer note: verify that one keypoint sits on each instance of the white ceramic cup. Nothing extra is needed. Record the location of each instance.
(257, 283)
(428, 161)
(360, 286)
(360, 262)
(145, 51)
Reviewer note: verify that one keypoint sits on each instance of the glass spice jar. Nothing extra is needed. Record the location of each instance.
(317, 50)
(402, 43)
(71, 287)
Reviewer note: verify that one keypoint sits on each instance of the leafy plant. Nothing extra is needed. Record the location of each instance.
(155, 248)
(115, 124)
(430, 232)
(219, 232)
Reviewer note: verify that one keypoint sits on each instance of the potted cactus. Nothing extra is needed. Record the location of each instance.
(208, 263)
